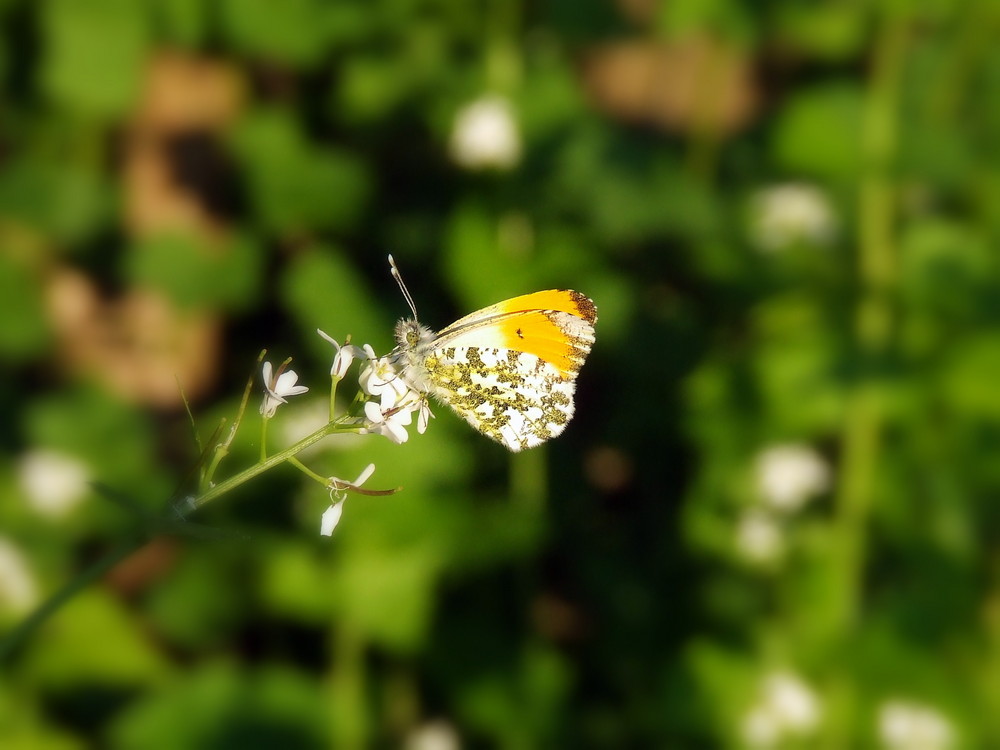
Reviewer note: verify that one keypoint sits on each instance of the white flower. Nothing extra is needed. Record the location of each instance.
(338, 494)
(485, 134)
(424, 416)
(345, 355)
(434, 735)
(760, 728)
(759, 538)
(784, 215)
(397, 400)
(391, 423)
(53, 482)
(278, 388)
(380, 378)
(906, 725)
(788, 475)
(18, 589)
(792, 700)
(787, 707)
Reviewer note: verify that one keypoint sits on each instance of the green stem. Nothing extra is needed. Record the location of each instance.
(309, 472)
(503, 57)
(247, 474)
(860, 440)
(13, 639)
(347, 681)
(222, 449)
(334, 382)
(220, 452)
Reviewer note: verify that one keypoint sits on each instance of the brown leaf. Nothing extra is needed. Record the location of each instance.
(691, 85)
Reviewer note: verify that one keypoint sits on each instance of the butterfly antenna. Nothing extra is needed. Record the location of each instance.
(402, 287)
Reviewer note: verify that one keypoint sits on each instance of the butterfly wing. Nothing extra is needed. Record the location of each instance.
(509, 370)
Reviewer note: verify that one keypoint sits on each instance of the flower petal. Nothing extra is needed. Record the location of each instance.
(364, 475)
(373, 412)
(331, 517)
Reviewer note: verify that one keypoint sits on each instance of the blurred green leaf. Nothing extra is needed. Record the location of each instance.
(371, 87)
(297, 186)
(518, 704)
(550, 99)
(95, 639)
(65, 202)
(968, 381)
(797, 366)
(489, 258)
(219, 707)
(689, 17)
(388, 593)
(114, 439)
(184, 21)
(297, 35)
(818, 132)
(197, 276)
(296, 583)
(321, 289)
(826, 30)
(25, 332)
(21, 729)
(197, 604)
(95, 54)
(944, 266)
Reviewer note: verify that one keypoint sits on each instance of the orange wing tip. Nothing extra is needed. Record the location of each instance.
(558, 300)
(585, 307)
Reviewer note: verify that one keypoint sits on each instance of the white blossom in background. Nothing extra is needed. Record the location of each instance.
(759, 538)
(54, 483)
(434, 735)
(906, 725)
(486, 135)
(301, 418)
(789, 475)
(786, 708)
(18, 589)
(784, 215)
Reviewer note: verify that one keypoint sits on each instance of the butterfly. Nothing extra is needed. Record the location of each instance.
(509, 369)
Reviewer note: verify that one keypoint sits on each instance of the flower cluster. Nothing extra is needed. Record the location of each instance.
(385, 404)
(786, 477)
(785, 215)
(486, 135)
(906, 724)
(786, 710)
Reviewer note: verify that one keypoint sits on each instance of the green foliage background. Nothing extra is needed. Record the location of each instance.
(589, 593)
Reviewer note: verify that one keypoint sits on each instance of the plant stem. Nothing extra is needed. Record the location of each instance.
(259, 468)
(873, 325)
(308, 472)
(13, 639)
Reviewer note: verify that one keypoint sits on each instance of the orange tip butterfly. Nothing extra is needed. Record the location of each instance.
(509, 369)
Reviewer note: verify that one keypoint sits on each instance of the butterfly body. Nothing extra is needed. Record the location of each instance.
(509, 369)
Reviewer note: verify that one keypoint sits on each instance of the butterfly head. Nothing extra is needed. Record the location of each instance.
(411, 336)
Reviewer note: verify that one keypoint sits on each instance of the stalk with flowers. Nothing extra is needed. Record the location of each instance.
(384, 404)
